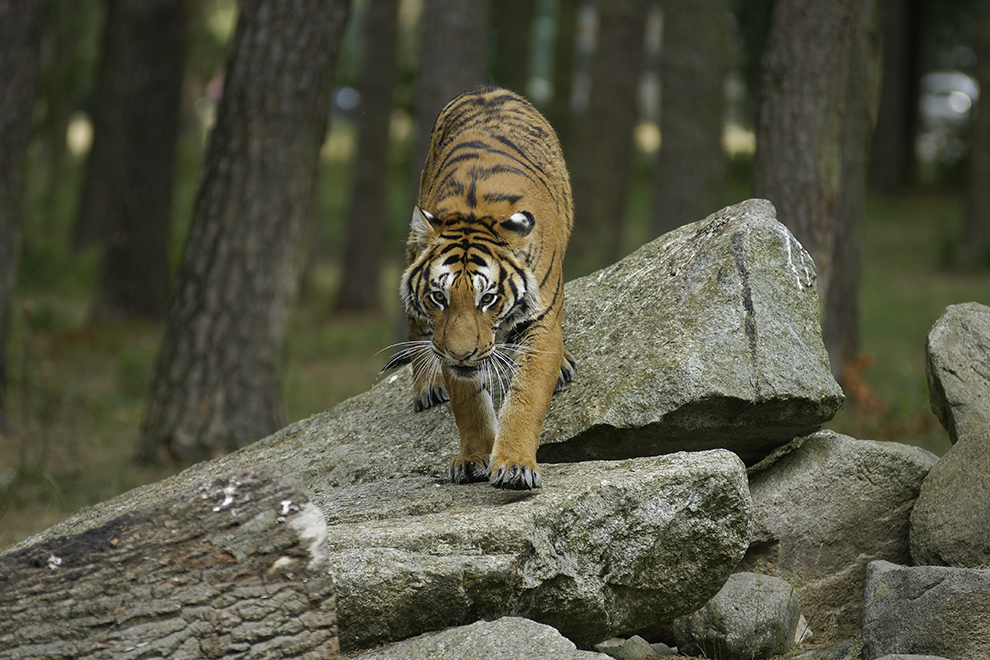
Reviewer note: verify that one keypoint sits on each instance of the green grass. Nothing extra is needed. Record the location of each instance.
(77, 390)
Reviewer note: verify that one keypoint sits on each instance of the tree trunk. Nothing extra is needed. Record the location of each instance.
(513, 35)
(217, 383)
(603, 164)
(127, 189)
(561, 112)
(798, 159)
(840, 328)
(690, 172)
(454, 35)
(973, 251)
(892, 162)
(367, 217)
(20, 38)
(186, 578)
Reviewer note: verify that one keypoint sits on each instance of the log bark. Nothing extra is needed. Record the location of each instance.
(235, 568)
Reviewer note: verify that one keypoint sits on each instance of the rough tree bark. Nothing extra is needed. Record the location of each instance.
(798, 160)
(217, 379)
(973, 249)
(690, 173)
(454, 34)
(561, 112)
(892, 162)
(840, 327)
(234, 569)
(367, 217)
(127, 188)
(513, 20)
(20, 37)
(602, 167)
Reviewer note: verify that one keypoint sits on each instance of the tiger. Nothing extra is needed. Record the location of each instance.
(483, 289)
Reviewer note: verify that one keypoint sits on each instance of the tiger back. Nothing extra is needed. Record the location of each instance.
(483, 288)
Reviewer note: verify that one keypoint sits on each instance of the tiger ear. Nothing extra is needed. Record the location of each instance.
(422, 226)
(520, 222)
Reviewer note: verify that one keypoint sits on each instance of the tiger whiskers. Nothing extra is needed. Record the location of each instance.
(425, 362)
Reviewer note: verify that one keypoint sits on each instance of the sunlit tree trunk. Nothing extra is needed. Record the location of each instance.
(20, 35)
(690, 172)
(217, 381)
(366, 218)
(604, 148)
(973, 250)
(798, 161)
(127, 189)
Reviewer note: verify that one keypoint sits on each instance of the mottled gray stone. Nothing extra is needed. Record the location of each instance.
(606, 547)
(508, 638)
(823, 508)
(958, 365)
(752, 616)
(921, 610)
(950, 525)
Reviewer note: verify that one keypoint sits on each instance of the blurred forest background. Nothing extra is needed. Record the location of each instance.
(203, 203)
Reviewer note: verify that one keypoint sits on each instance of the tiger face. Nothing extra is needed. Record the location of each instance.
(471, 293)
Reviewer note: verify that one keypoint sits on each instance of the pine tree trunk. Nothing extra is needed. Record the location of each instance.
(513, 35)
(367, 217)
(20, 38)
(840, 326)
(217, 383)
(973, 250)
(690, 172)
(798, 159)
(127, 189)
(603, 164)
(454, 57)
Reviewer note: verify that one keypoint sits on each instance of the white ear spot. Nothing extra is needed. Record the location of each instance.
(423, 223)
(521, 222)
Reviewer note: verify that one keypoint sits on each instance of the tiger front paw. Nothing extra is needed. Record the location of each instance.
(468, 470)
(509, 475)
(429, 395)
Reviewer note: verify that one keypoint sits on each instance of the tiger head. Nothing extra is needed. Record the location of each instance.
(468, 282)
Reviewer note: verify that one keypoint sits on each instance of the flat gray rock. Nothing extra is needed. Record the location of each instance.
(926, 610)
(604, 548)
(958, 366)
(508, 638)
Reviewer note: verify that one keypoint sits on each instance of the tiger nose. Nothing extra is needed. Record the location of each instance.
(460, 357)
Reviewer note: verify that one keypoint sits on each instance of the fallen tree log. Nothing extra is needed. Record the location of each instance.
(235, 568)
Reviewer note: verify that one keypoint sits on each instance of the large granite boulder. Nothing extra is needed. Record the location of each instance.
(926, 610)
(823, 508)
(606, 547)
(950, 525)
(958, 366)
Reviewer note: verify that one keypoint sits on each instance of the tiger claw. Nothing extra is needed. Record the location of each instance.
(512, 476)
(430, 396)
(468, 470)
(568, 369)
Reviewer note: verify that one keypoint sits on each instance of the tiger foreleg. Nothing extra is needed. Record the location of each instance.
(476, 422)
(513, 463)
